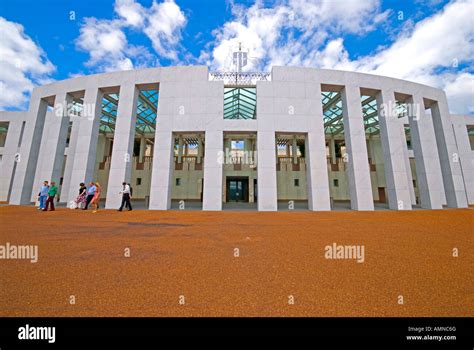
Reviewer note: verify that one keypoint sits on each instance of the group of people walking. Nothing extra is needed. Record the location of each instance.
(88, 196)
(46, 196)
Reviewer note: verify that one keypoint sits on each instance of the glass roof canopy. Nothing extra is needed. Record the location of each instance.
(109, 113)
(332, 111)
(470, 130)
(4, 127)
(240, 102)
(146, 112)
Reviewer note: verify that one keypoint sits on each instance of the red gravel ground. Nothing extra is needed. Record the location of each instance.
(191, 254)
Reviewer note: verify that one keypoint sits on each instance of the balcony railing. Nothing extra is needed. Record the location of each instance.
(188, 163)
(341, 165)
(242, 78)
(137, 165)
(287, 164)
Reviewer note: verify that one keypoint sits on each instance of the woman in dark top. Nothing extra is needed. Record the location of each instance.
(81, 199)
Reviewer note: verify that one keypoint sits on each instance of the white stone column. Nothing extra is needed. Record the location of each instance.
(8, 157)
(86, 146)
(294, 150)
(71, 151)
(100, 156)
(142, 149)
(396, 177)
(122, 151)
(428, 170)
(317, 172)
(251, 190)
(44, 137)
(266, 171)
(406, 159)
(162, 170)
(332, 150)
(53, 145)
(370, 150)
(108, 145)
(213, 170)
(466, 155)
(316, 162)
(276, 155)
(180, 149)
(448, 155)
(29, 150)
(199, 150)
(360, 186)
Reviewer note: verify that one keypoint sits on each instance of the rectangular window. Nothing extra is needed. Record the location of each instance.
(297, 182)
(408, 135)
(69, 130)
(237, 148)
(335, 182)
(176, 147)
(178, 181)
(139, 181)
(340, 148)
(237, 144)
(414, 183)
(136, 147)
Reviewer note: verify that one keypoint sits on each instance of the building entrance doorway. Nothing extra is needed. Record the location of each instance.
(237, 189)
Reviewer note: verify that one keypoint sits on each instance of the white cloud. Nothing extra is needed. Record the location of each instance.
(351, 16)
(437, 44)
(460, 92)
(106, 40)
(164, 24)
(302, 33)
(132, 12)
(290, 33)
(437, 41)
(108, 47)
(428, 53)
(23, 64)
(293, 32)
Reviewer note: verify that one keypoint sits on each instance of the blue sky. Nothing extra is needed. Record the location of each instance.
(429, 41)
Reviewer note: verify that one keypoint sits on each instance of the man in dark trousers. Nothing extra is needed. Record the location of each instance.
(51, 194)
(126, 192)
(90, 194)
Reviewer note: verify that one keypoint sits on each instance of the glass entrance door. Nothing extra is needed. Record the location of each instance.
(237, 190)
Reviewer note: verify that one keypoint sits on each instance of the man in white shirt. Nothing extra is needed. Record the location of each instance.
(126, 195)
